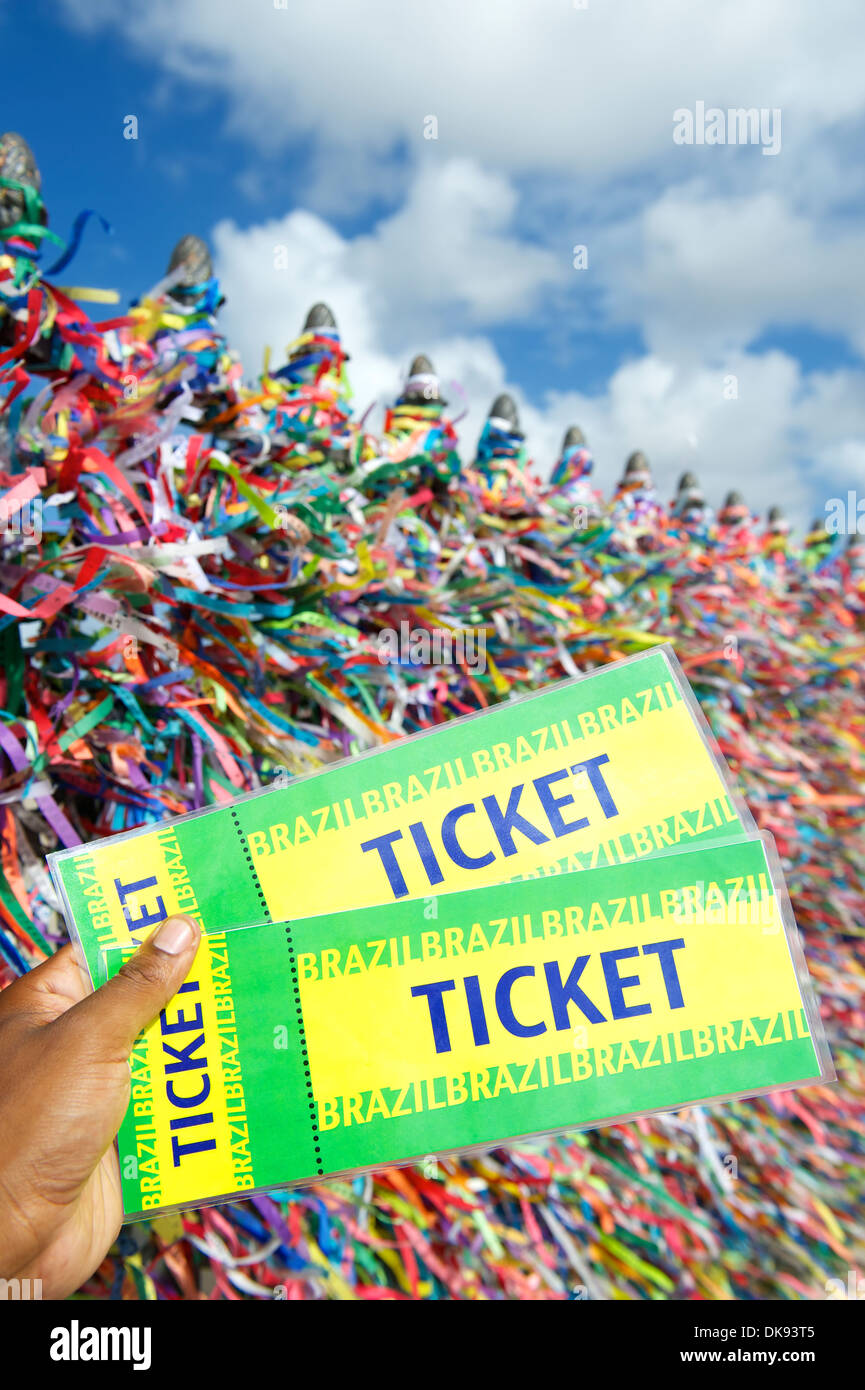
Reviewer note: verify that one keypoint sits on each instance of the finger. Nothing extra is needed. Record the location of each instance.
(112, 1018)
(48, 990)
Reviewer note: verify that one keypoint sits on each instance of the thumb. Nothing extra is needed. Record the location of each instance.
(115, 1014)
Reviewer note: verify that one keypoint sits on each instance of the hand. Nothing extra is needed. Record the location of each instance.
(64, 1089)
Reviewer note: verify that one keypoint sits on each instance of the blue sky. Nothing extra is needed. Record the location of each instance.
(303, 127)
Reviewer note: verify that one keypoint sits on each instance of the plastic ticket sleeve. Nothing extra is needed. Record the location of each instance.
(377, 1036)
(611, 767)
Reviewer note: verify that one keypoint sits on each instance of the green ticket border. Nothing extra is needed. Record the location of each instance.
(319, 1173)
(87, 953)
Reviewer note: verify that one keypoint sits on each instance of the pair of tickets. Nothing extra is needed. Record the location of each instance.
(551, 915)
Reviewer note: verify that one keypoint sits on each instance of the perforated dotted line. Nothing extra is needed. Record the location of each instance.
(304, 1054)
(251, 866)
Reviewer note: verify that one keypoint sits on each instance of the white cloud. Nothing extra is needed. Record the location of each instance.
(780, 439)
(698, 269)
(448, 248)
(726, 242)
(524, 85)
(541, 105)
(446, 254)
(682, 419)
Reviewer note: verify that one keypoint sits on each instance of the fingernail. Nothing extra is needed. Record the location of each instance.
(174, 935)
